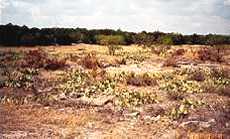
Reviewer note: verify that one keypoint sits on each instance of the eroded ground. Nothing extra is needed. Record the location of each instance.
(83, 92)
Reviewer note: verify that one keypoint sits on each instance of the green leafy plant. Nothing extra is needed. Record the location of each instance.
(128, 99)
(19, 78)
(79, 83)
(105, 87)
(74, 82)
(177, 88)
(184, 108)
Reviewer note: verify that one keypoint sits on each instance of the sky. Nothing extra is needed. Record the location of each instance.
(181, 16)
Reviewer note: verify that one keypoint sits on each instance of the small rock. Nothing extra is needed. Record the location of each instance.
(227, 125)
(204, 125)
(172, 134)
(153, 110)
(201, 124)
(99, 101)
(134, 114)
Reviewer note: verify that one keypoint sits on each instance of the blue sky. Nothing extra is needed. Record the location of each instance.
(184, 16)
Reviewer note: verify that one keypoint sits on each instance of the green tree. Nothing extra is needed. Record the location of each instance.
(167, 40)
(111, 41)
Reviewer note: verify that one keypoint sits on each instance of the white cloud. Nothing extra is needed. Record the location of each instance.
(200, 16)
(227, 2)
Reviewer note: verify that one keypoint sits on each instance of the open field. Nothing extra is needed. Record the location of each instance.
(82, 91)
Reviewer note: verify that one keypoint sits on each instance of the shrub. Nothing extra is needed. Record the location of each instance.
(40, 59)
(167, 40)
(111, 41)
(220, 73)
(160, 49)
(140, 80)
(196, 74)
(210, 54)
(78, 83)
(19, 78)
(179, 52)
(216, 85)
(10, 56)
(134, 58)
(54, 64)
(170, 61)
(113, 49)
(34, 59)
(90, 61)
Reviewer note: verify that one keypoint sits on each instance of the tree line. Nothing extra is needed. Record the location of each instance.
(14, 35)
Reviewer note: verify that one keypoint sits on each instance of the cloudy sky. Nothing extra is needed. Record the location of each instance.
(184, 16)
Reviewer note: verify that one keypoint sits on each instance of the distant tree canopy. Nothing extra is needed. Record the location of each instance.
(110, 39)
(14, 35)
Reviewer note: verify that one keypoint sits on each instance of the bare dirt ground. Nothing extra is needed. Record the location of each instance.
(165, 104)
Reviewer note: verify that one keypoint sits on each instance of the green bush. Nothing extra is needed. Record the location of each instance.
(111, 41)
(167, 40)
